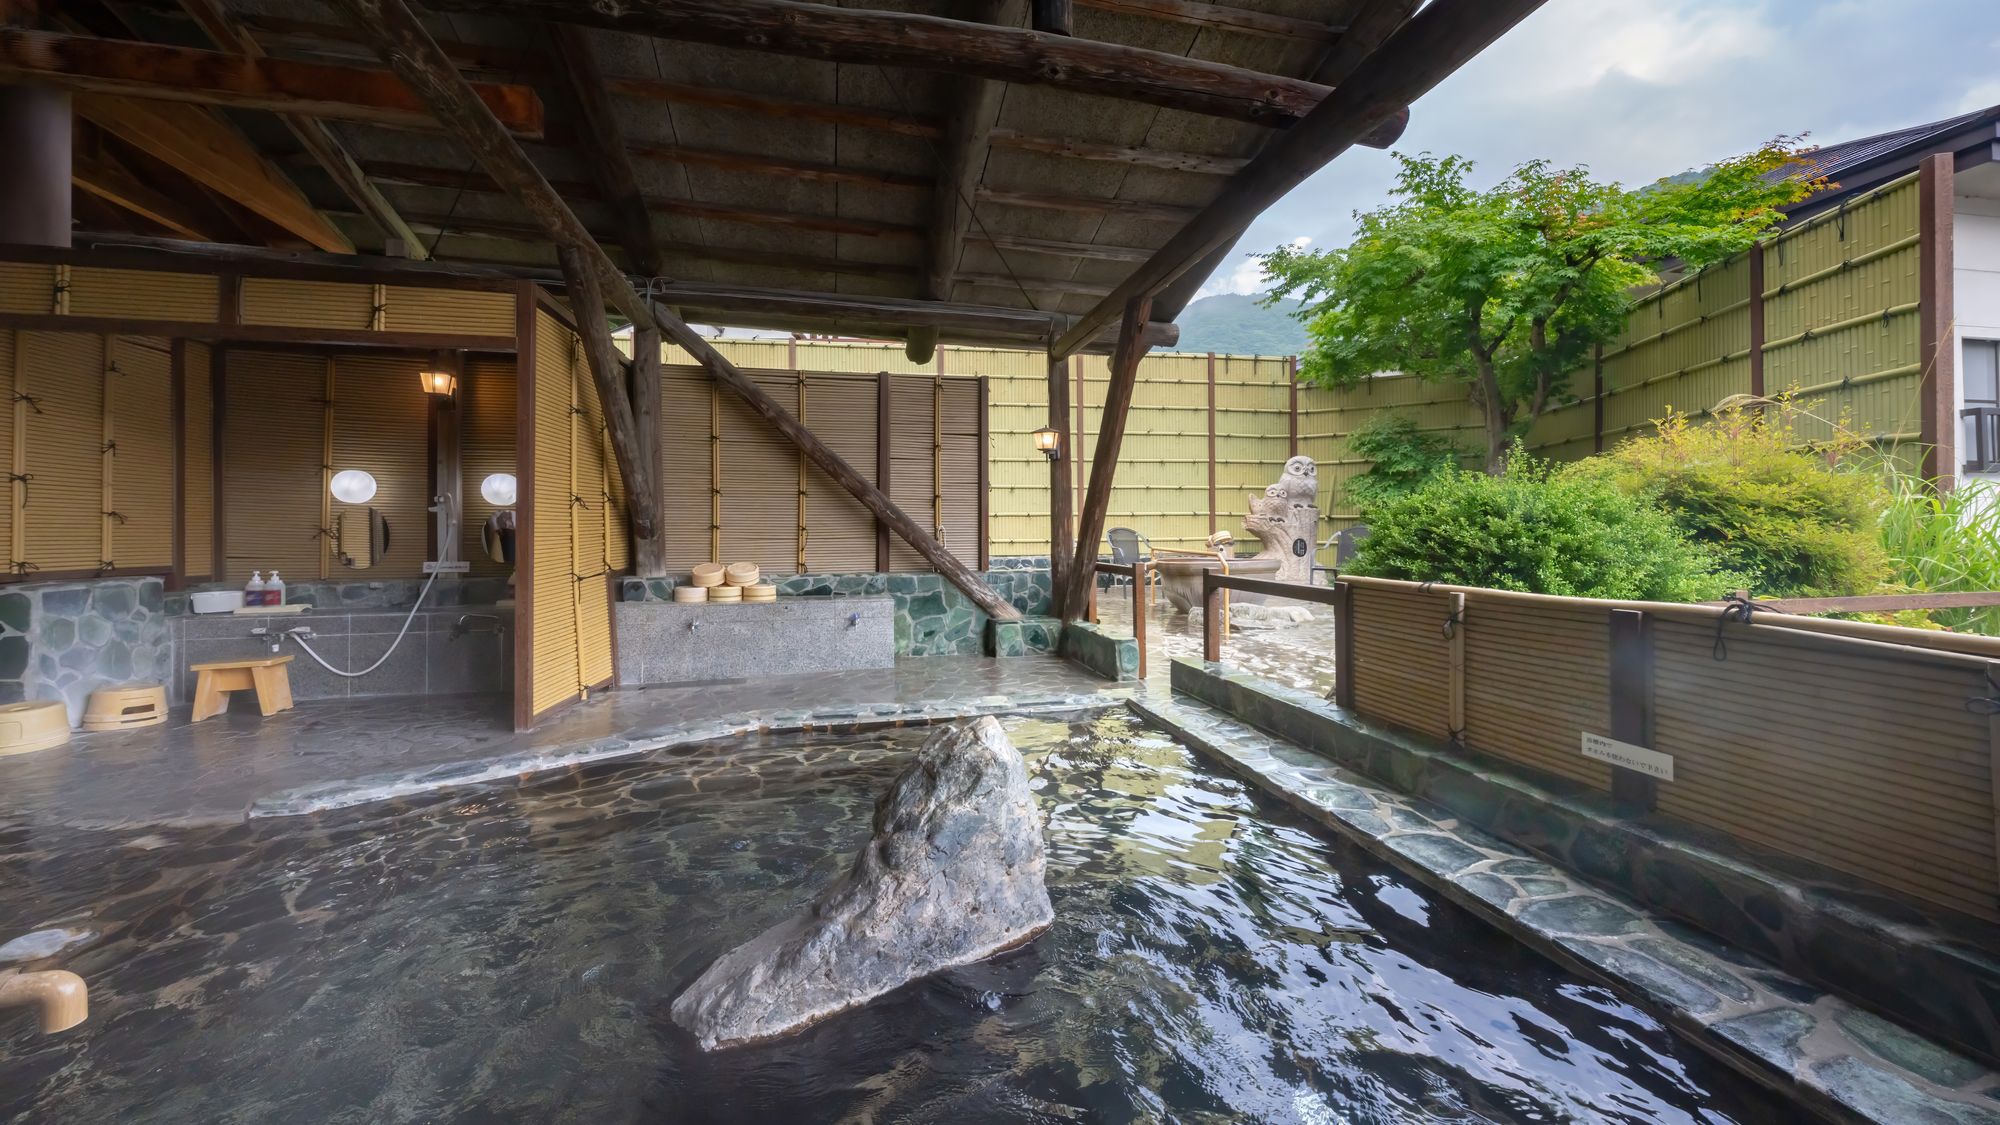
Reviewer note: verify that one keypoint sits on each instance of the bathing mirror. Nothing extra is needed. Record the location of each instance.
(497, 537)
(361, 538)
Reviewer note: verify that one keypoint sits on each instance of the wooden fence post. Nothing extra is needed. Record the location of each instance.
(1211, 618)
(1139, 612)
(1343, 644)
(1457, 638)
(1632, 705)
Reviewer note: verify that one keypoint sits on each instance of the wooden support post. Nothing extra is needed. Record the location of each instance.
(1139, 612)
(1211, 444)
(1062, 542)
(1937, 343)
(651, 555)
(1632, 705)
(1091, 614)
(1213, 602)
(1343, 645)
(1110, 437)
(35, 131)
(1457, 640)
(606, 371)
(1756, 325)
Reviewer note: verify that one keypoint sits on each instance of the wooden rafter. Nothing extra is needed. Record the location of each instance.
(961, 166)
(959, 47)
(1119, 154)
(105, 178)
(405, 44)
(802, 170)
(1131, 209)
(603, 143)
(312, 134)
(1433, 44)
(201, 145)
(184, 74)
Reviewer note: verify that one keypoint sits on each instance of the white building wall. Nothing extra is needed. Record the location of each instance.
(1976, 279)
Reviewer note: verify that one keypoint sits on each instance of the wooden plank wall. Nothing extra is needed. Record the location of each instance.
(1874, 759)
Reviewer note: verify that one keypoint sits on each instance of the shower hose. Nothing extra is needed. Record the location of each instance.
(392, 644)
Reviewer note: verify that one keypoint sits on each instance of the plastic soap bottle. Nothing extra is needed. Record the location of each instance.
(274, 590)
(253, 591)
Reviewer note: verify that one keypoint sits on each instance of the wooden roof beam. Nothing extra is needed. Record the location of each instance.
(313, 135)
(184, 74)
(1221, 17)
(960, 47)
(603, 143)
(962, 165)
(112, 182)
(1119, 154)
(1423, 52)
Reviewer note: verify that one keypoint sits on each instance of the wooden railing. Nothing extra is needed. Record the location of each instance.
(1138, 572)
(1867, 748)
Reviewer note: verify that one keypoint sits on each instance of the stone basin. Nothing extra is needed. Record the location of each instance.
(1181, 577)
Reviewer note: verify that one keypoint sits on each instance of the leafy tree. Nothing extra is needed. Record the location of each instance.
(1538, 529)
(1505, 291)
(1404, 459)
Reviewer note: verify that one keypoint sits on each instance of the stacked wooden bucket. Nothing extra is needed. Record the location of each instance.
(730, 585)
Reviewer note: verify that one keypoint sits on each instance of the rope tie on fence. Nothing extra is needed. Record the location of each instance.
(1452, 621)
(22, 479)
(23, 567)
(34, 404)
(1986, 704)
(1739, 607)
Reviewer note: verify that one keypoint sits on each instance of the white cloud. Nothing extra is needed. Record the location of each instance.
(1248, 276)
(1981, 96)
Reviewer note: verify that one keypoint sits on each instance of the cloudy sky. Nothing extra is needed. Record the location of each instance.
(1640, 89)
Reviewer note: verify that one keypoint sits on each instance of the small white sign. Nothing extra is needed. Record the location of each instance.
(447, 567)
(1638, 759)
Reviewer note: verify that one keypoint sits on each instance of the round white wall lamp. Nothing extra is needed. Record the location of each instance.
(352, 486)
(499, 490)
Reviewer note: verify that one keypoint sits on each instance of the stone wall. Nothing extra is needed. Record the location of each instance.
(670, 643)
(448, 651)
(1112, 657)
(62, 640)
(932, 617)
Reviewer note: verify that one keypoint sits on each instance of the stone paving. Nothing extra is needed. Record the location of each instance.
(1819, 1049)
(337, 753)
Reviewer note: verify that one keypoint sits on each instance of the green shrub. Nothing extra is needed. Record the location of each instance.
(1539, 530)
(1789, 520)
(1405, 459)
(1945, 543)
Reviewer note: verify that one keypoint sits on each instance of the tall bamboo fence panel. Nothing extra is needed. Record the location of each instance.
(139, 440)
(840, 534)
(1018, 476)
(552, 561)
(380, 425)
(1841, 322)
(1329, 418)
(274, 436)
(488, 398)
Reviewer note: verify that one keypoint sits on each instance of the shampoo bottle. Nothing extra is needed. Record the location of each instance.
(253, 591)
(274, 590)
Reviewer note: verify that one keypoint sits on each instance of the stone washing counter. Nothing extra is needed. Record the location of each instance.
(673, 642)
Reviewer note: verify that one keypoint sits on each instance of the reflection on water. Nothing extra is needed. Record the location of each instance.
(509, 956)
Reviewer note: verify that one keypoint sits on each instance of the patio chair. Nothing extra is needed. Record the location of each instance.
(1343, 544)
(1128, 547)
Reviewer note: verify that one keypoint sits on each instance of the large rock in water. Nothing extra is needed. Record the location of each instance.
(952, 874)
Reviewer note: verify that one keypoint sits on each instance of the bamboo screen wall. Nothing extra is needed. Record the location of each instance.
(90, 452)
(737, 491)
(1839, 306)
(198, 445)
(193, 298)
(579, 530)
(1780, 736)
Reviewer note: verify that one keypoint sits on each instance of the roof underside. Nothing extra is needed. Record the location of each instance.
(821, 206)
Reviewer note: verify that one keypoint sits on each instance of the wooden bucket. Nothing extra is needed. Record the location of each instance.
(742, 574)
(696, 594)
(708, 574)
(125, 705)
(38, 725)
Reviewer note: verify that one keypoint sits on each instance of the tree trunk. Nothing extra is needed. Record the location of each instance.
(1497, 417)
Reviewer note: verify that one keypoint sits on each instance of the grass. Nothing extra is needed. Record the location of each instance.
(1947, 543)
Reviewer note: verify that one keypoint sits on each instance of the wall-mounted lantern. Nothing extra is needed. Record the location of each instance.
(439, 379)
(1049, 441)
(352, 486)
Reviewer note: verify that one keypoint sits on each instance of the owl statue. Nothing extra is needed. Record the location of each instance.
(1299, 485)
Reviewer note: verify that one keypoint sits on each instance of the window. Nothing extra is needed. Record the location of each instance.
(1979, 420)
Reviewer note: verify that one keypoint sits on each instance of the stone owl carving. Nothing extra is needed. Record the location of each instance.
(1299, 484)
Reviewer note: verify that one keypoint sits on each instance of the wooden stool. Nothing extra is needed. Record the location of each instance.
(126, 705)
(268, 675)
